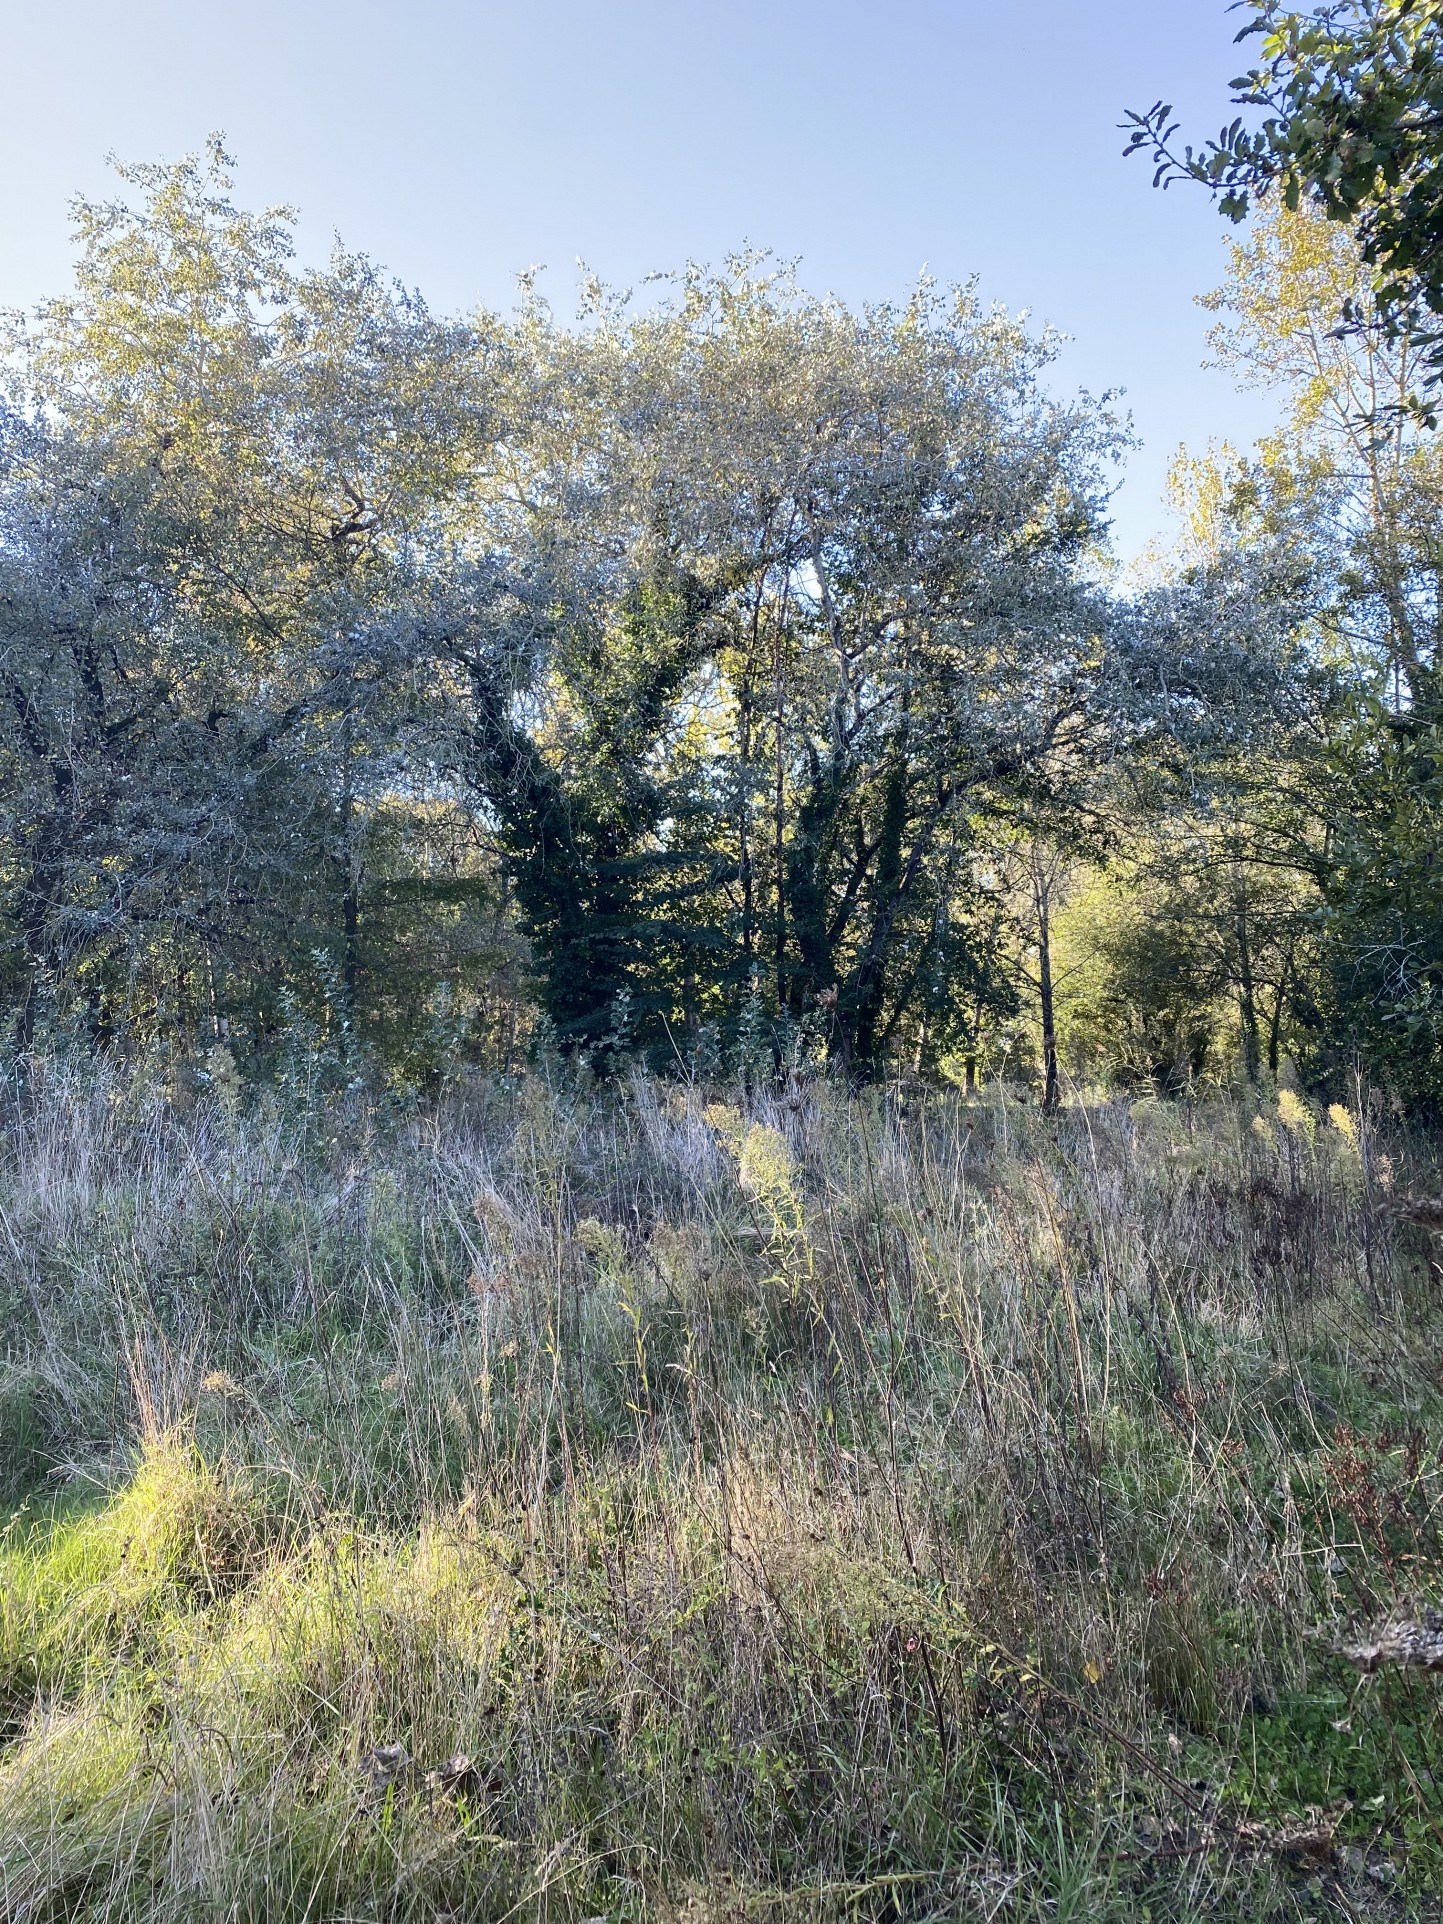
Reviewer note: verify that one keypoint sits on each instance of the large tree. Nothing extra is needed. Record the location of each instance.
(820, 590)
(282, 449)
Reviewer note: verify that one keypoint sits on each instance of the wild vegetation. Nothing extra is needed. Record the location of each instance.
(586, 1502)
(719, 1172)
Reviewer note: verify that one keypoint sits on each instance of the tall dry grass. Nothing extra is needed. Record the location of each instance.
(655, 1502)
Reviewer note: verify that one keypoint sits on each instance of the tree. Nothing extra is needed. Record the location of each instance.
(119, 773)
(298, 441)
(825, 595)
(1139, 990)
(1352, 94)
(785, 588)
(1325, 841)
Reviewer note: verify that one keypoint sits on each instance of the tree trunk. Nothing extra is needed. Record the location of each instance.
(1247, 999)
(38, 904)
(744, 812)
(1275, 1024)
(866, 1013)
(1042, 895)
(779, 819)
(806, 888)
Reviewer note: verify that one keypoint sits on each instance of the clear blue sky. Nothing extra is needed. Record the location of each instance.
(458, 141)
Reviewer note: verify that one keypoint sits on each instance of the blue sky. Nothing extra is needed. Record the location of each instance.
(459, 141)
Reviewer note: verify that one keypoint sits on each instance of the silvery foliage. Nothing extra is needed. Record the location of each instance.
(118, 782)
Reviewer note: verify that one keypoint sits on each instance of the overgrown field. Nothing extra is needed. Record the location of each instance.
(652, 1503)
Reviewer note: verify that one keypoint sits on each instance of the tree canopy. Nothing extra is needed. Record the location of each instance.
(726, 675)
(1351, 102)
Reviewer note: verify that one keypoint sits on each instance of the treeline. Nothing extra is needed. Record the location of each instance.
(727, 677)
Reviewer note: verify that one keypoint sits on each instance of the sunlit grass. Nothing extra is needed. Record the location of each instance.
(555, 1512)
